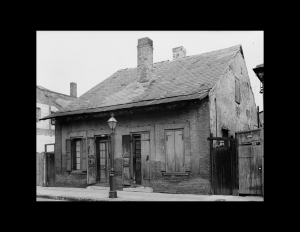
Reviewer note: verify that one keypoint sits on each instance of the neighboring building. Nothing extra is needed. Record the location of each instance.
(165, 113)
(48, 102)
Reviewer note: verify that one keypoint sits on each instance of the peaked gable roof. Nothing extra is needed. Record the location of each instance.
(185, 78)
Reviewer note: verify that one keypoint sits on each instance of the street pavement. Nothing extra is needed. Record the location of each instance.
(45, 199)
(88, 194)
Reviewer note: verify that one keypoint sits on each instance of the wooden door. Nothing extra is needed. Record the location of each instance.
(137, 161)
(103, 161)
(126, 149)
(49, 171)
(250, 169)
(145, 158)
(91, 172)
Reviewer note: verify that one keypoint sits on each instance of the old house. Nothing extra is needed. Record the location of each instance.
(165, 112)
(48, 102)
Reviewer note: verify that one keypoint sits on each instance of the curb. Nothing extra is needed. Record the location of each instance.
(68, 198)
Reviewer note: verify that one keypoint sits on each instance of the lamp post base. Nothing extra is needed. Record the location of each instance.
(113, 194)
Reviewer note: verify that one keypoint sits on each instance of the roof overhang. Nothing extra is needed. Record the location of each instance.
(198, 96)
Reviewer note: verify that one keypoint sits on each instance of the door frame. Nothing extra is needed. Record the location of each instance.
(97, 139)
(131, 155)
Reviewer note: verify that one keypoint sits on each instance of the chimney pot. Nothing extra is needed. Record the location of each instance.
(73, 89)
(179, 52)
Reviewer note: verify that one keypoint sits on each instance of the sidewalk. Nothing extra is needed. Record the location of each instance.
(84, 194)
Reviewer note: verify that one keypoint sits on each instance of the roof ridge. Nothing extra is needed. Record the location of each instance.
(48, 90)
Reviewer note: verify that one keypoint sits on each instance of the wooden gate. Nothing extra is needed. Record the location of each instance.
(250, 155)
(45, 174)
(224, 166)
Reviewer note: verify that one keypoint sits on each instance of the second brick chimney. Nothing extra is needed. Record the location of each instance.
(179, 52)
(144, 59)
(73, 89)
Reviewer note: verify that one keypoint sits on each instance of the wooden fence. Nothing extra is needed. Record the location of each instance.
(40, 169)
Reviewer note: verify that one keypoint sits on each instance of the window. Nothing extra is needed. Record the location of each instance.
(174, 150)
(224, 134)
(237, 91)
(76, 154)
(38, 113)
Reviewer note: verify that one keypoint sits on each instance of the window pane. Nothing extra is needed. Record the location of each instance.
(78, 166)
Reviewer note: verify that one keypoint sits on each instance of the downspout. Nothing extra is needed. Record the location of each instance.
(258, 116)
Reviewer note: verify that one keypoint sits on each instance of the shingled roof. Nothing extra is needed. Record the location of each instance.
(190, 77)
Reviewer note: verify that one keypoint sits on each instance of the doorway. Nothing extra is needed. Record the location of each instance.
(136, 159)
(102, 157)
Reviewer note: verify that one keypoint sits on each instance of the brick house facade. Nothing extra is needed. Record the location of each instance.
(165, 112)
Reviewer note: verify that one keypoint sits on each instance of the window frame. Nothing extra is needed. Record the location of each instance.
(74, 154)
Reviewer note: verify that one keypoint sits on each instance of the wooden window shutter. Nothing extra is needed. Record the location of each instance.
(84, 155)
(145, 152)
(237, 90)
(68, 155)
(179, 151)
(170, 159)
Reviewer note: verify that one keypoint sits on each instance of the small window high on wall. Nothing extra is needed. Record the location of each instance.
(237, 91)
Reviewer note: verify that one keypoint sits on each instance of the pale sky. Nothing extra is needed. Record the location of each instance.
(89, 57)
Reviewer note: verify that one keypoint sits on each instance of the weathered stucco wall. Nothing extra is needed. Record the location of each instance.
(234, 116)
(45, 132)
(194, 119)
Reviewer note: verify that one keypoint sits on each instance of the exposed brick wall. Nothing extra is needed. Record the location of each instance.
(194, 119)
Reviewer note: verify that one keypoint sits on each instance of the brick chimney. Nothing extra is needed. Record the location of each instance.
(179, 52)
(73, 89)
(145, 59)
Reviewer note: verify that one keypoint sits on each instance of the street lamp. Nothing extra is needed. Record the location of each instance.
(112, 122)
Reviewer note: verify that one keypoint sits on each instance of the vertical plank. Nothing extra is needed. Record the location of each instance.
(145, 153)
(170, 140)
(179, 151)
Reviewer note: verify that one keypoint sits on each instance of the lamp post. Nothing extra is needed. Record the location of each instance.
(112, 122)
